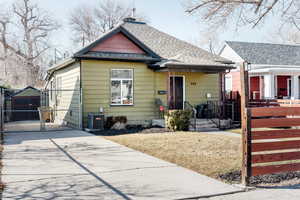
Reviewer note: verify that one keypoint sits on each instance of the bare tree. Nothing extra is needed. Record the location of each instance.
(84, 25)
(36, 25)
(88, 23)
(220, 13)
(24, 36)
(4, 22)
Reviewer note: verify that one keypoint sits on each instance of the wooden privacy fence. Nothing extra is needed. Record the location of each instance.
(265, 142)
(270, 134)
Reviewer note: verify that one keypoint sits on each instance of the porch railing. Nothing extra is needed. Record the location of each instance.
(188, 106)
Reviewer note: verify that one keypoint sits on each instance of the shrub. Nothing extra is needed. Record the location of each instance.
(178, 120)
(110, 121)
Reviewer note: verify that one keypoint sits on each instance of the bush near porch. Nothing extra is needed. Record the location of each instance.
(208, 154)
(178, 120)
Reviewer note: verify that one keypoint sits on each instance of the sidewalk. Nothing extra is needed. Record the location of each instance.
(279, 193)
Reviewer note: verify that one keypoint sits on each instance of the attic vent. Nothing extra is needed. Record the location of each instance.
(132, 20)
(129, 19)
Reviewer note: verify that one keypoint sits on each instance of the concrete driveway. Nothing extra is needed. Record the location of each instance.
(78, 165)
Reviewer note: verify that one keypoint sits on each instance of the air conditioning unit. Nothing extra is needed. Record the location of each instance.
(95, 122)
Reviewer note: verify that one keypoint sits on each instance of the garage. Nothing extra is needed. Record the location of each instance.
(25, 104)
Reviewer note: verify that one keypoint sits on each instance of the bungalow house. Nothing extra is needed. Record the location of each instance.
(274, 69)
(130, 68)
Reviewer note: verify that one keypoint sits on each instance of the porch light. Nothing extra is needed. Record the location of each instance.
(208, 95)
(101, 110)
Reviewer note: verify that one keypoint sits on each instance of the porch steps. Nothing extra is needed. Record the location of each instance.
(203, 125)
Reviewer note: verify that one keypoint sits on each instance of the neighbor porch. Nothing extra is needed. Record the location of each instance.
(274, 86)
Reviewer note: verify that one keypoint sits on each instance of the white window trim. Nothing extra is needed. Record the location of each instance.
(228, 76)
(121, 79)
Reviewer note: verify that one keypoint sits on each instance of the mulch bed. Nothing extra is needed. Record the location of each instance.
(290, 178)
(132, 130)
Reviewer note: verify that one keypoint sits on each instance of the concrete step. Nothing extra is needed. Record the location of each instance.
(203, 125)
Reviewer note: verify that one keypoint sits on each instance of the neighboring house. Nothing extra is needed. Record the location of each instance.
(127, 69)
(274, 69)
(25, 104)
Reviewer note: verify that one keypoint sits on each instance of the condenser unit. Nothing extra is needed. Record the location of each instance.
(95, 122)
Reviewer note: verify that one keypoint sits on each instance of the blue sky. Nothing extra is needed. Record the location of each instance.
(166, 15)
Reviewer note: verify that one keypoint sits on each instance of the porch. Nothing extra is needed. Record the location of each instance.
(190, 85)
(274, 86)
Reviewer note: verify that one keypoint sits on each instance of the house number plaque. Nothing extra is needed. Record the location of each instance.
(161, 92)
(193, 83)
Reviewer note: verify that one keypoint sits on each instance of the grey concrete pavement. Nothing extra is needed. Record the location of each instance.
(78, 165)
(278, 193)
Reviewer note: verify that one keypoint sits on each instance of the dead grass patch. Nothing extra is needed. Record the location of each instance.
(207, 154)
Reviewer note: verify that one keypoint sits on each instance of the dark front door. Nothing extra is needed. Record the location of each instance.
(176, 93)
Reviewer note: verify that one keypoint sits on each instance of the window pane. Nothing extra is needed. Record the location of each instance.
(127, 97)
(123, 73)
(116, 92)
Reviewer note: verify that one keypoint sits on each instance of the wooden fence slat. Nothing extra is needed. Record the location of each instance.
(275, 157)
(260, 170)
(275, 134)
(270, 146)
(275, 111)
(275, 122)
(289, 105)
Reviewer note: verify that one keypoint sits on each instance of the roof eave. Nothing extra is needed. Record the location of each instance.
(151, 60)
(194, 67)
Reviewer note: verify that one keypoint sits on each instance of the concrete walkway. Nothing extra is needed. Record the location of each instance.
(78, 165)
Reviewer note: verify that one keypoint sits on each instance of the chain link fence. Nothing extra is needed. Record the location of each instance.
(40, 110)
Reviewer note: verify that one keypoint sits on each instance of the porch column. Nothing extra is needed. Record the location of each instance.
(295, 87)
(269, 85)
(261, 87)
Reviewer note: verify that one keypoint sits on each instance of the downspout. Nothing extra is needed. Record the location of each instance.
(81, 99)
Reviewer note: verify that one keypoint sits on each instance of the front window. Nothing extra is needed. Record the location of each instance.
(122, 87)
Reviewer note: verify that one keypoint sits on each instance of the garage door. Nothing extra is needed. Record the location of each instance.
(26, 108)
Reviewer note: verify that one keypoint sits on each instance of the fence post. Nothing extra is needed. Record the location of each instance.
(246, 126)
(2, 113)
(41, 112)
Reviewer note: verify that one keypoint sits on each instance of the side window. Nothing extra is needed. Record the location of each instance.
(121, 87)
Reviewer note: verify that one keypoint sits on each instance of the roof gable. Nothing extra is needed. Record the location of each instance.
(118, 43)
(109, 38)
(28, 91)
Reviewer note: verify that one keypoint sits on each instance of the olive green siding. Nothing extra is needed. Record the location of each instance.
(96, 89)
(66, 95)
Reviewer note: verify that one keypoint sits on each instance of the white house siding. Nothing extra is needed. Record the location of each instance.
(228, 53)
(66, 99)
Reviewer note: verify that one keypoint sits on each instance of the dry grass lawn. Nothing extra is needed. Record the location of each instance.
(204, 153)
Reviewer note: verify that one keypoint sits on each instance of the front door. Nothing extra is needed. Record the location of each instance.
(176, 92)
(282, 86)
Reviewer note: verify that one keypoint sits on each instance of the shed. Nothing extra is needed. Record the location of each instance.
(25, 104)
